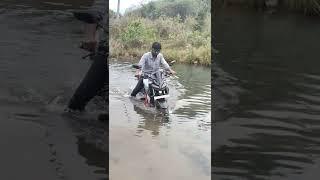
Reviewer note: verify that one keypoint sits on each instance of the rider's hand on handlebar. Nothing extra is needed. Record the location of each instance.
(138, 74)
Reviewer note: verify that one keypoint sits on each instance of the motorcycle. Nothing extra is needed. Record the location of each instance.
(155, 89)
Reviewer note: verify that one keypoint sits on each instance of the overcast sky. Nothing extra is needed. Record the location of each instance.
(124, 4)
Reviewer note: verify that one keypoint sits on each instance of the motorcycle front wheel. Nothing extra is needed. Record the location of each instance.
(162, 105)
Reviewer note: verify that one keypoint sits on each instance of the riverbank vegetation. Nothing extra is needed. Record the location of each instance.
(182, 26)
(308, 7)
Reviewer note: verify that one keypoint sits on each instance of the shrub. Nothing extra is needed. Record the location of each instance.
(137, 34)
(131, 36)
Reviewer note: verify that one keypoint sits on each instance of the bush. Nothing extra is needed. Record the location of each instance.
(131, 36)
(137, 34)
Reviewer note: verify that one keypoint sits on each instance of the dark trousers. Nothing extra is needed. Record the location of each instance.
(138, 87)
(94, 82)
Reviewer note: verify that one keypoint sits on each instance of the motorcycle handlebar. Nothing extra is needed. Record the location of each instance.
(136, 66)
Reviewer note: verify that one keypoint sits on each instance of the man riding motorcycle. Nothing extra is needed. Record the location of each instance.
(150, 63)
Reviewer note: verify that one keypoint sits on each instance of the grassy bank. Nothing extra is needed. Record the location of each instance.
(185, 39)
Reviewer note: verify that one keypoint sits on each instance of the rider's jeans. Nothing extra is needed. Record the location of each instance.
(138, 87)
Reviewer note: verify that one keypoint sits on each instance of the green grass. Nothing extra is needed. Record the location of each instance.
(182, 41)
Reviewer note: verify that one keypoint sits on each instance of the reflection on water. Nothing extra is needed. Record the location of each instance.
(195, 101)
(266, 108)
(153, 144)
(150, 121)
(48, 5)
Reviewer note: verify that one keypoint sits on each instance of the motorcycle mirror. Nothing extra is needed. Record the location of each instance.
(172, 62)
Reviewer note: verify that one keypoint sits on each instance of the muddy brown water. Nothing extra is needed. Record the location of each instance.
(143, 144)
(266, 108)
(40, 68)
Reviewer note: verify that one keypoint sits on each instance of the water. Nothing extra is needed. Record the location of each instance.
(143, 144)
(40, 68)
(266, 108)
